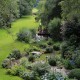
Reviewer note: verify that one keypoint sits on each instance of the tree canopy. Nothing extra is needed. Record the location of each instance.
(13, 9)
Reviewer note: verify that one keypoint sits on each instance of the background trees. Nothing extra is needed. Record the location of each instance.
(12, 9)
(52, 9)
(50, 14)
(8, 12)
(25, 6)
(70, 8)
(66, 11)
(71, 17)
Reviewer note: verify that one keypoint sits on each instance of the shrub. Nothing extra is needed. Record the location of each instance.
(23, 61)
(34, 76)
(25, 76)
(59, 76)
(36, 19)
(31, 58)
(29, 67)
(70, 31)
(54, 27)
(77, 61)
(33, 33)
(52, 61)
(30, 76)
(34, 48)
(15, 54)
(75, 73)
(56, 47)
(68, 64)
(41, 68)
(66, 50)
(24, 35)
(52, 76)
(48, 76)
(42, 44)
(16, 70)
(6, 63)
(63, 48)
(50, 42)
(49, 50)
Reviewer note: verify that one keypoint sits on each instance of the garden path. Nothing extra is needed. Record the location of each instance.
(63, 71)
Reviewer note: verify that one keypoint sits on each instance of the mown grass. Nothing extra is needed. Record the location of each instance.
(8, 41)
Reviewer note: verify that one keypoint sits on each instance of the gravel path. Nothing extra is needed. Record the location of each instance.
(63, 71)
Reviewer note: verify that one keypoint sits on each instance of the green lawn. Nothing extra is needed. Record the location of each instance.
(8, 42)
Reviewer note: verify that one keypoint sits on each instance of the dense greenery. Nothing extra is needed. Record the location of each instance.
(51, 9)
(24, 35)
(41, 68)
(54, 27)
(8, 43)
(11, 10)
(25, 6)
(52, 61)
(56, 43)
(8, 12)
(70, 9)
(75, 73)
(16, 54)
(31, 58)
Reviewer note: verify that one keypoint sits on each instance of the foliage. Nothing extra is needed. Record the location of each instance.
(56, 46)
(9, 11)
(68, 64)
(49, 50)
(34, 76)
(24, 35)
(25, 7)
(51, 9)
(30, 76)
(63, 48)
(75, 73)
(41, 8)
(42, 45)
(77, 60)
(33, 33)
(54, 27)
(67, 51)
(50, 42)
(16, 70)
(23, 61)
(31, 58)
(48, 76)
(69, 9)
(53, 76)
(11, 44)
(41, 5)
(15, 54)
(41, 68)
(6, 63)
(52, 61)
(70, 31)
(35, 48)
(25, 76)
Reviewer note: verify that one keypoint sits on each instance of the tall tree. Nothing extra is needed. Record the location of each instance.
(8, 12)
(70, 9)
(25, 6)
(52, 9)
